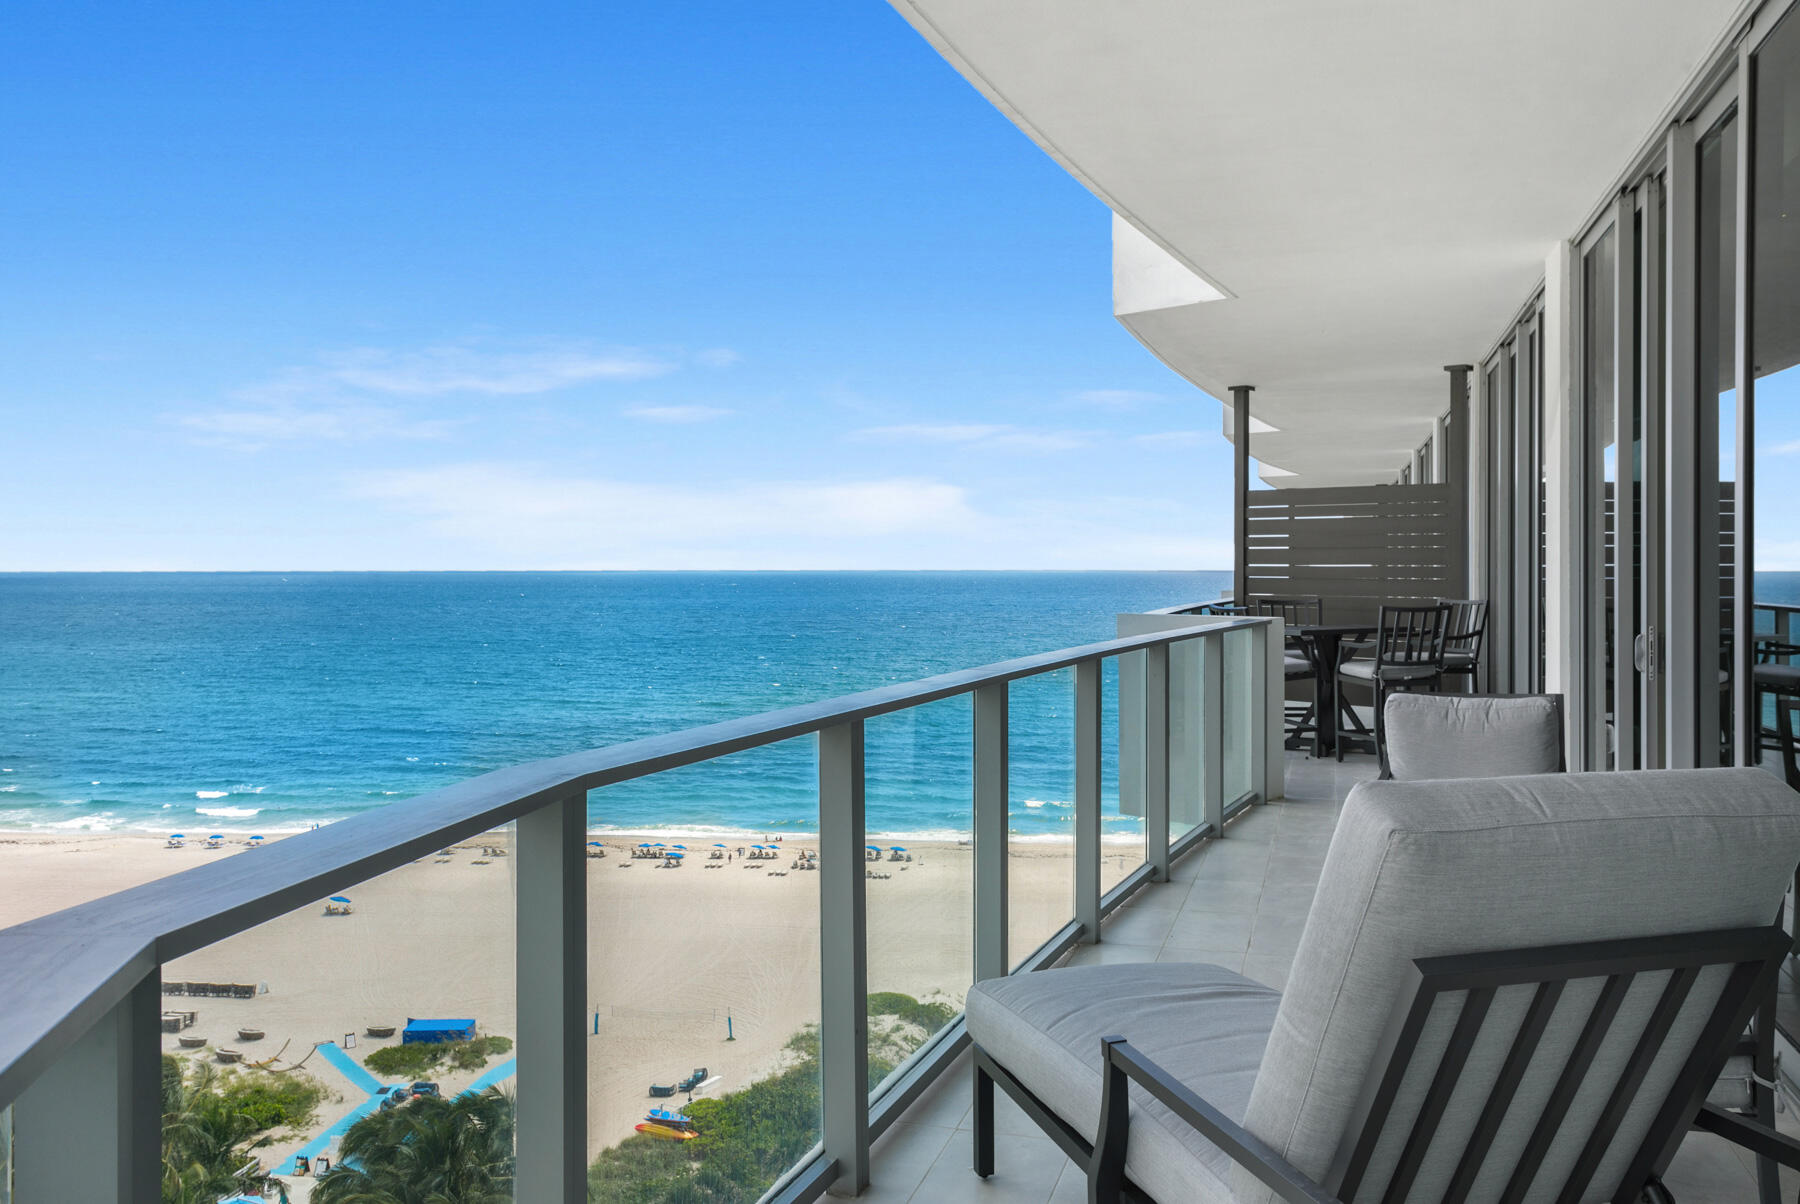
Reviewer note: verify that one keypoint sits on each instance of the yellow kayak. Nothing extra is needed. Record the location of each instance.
(668, 1132)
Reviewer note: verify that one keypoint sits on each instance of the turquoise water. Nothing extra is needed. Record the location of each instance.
(269, 703)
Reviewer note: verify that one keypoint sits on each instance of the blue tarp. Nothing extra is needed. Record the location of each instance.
(427, 1031)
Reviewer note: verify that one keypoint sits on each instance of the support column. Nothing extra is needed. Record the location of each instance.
(1240, 494)
(1459, 473)
(90, 1126)
(551, 922)
(843, 956)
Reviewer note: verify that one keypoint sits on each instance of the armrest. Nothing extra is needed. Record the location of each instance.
(1122, 1062)
(1754, 1136)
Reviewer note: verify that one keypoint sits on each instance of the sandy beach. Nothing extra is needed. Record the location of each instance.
(674, 953)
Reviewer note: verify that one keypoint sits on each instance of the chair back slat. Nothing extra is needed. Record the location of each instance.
(1295, 612)
(1465, 624)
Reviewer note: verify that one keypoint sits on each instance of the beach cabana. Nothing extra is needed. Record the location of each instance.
(431, 1032)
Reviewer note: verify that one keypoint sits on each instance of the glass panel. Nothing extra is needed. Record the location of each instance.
(1240, 747)
(1040, 876)
(6, 1158)
(1121, 834)
(920, 795)
(703, 976)
(294, 1034)
(1716, 366)
(1775, 347)
(1599, 379)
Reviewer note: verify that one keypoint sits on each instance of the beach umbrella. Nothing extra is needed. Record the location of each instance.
(678, 856)
(595, 844)
(644, 845)
(661, 845)
(178, 836)
(256, 838)
(894, 848)
(339, 899)
(216, 836)
(681, 846)
(718, 846)
(873, 848)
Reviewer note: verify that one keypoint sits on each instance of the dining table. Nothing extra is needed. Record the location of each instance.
(1324, 644)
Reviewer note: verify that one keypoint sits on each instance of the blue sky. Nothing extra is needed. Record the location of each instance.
(342, 286)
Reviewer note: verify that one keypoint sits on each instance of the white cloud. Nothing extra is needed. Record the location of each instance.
(505, 515)
(676, 414)
(718, 357)
(517, 511)
(1116, 399)
(1176, 438)
(1780, 449)
(254, 429)
(434, 371)
(983, 436)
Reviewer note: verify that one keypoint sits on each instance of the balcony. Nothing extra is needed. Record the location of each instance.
(1180, 716)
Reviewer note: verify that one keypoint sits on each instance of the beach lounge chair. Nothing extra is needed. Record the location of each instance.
(660, 1092)
(1554, 967)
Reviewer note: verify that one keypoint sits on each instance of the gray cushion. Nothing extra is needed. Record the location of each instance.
(1296, 666)
(1204, 1024)
(1365, 670)
(1472, 736)
(1418, 869)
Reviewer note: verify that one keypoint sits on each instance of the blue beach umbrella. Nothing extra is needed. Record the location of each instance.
(178, 836)
(873, 848)
(894, 848)
(681, 846)
(216, 836)
(644, 844)
(718, 846)
(339, 899)
(678, 856)
(595, 844)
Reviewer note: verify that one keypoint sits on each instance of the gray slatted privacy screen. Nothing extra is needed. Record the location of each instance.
(1356, 546)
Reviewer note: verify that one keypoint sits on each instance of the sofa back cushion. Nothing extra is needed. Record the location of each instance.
(1435, 736)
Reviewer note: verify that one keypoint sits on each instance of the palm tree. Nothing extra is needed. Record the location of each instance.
(206, 1143)
(431, 1151)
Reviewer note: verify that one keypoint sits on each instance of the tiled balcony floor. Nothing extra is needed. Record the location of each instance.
(1239, 902)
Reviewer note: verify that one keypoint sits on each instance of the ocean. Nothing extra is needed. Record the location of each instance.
(270, 703)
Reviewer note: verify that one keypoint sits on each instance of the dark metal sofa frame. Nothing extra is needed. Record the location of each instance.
(1753, 953)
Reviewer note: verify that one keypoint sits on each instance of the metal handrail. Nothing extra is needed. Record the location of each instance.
(66, 970)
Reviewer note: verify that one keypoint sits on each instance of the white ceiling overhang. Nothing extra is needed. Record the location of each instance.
(1346, 197)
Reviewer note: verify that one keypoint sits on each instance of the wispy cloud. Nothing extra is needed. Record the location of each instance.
(1175, 438)
(718, 357)
(1787, 448)
(515, 515)
(611, 523)
(255, 429)
(985, 436)
(1116, 399)
(676, 414)
(454, 368)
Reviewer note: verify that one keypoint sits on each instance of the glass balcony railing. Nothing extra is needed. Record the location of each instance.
(608, 1011)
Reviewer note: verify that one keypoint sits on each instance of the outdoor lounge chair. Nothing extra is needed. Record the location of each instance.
(1517, 988)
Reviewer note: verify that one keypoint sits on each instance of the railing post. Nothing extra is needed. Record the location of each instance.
(1088, 850)
(1212, 732)
(991, 789)
(551, 985)
(90, 1126)
(1156, 761)
(843, 956)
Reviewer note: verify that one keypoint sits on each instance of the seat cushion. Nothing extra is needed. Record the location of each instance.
(1296, 667)
(1205, 1025)
(1365, 671)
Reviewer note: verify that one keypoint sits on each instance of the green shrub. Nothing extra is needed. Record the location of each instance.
(415, 1061)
